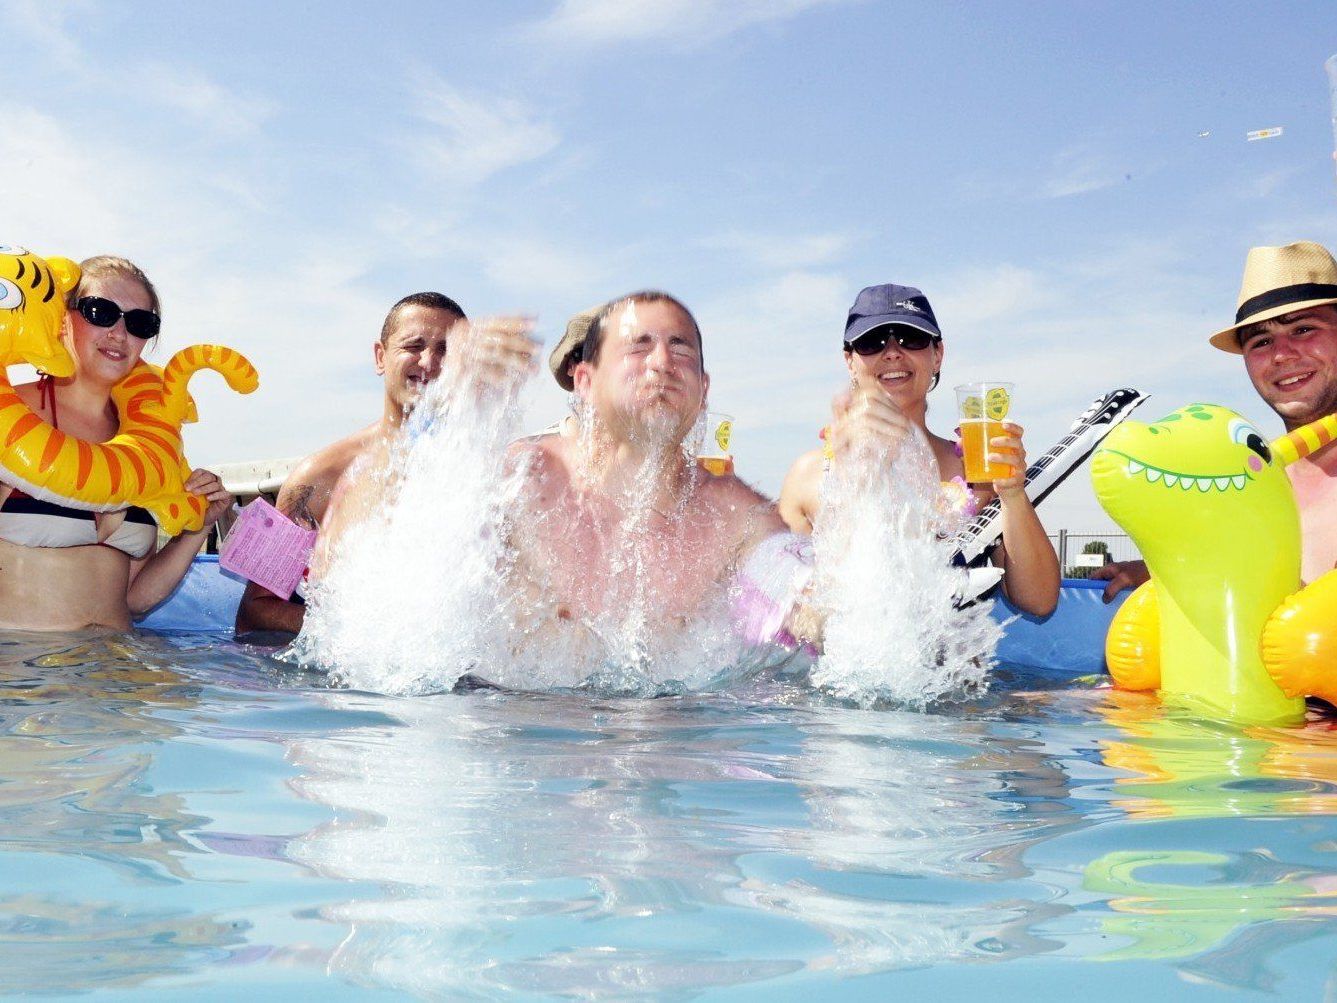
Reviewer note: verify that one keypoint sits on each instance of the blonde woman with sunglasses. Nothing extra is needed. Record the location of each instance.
(62, 568)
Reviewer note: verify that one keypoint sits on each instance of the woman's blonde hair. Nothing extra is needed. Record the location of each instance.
(107, 264)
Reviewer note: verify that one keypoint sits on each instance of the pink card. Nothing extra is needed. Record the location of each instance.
(268, 548)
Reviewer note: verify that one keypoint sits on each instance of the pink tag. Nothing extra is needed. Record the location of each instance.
(268, 548)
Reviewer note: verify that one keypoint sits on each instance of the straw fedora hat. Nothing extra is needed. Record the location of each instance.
(1278, 281)
(572, 341)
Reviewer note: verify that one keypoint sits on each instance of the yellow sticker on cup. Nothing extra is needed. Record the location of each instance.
(996, 403)
(972, 407)
(722, 433)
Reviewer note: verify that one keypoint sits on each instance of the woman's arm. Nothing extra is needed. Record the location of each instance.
(1030, 566)
(153, 578)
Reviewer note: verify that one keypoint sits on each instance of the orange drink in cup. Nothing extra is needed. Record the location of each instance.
(714, 456)
(982, 408)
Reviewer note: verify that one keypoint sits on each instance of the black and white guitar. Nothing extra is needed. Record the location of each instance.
(1042, 477)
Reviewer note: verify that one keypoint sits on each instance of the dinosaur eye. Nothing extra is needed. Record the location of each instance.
(11, 296)
(1246, 435)
(12, 249)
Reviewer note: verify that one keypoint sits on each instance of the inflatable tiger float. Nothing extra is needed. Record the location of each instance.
(32, 306)
(143, 463)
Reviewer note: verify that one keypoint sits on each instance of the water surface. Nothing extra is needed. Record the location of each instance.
(185, 815)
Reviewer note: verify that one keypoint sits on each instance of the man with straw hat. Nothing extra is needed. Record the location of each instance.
(1286, 330)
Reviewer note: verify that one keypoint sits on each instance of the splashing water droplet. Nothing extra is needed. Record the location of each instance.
(893, 632)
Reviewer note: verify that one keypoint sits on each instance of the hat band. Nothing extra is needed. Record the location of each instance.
(1286, 294)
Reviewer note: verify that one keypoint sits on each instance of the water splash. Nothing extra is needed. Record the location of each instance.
(893, 632)
(470, 567)
(648, 589)
(413, 599)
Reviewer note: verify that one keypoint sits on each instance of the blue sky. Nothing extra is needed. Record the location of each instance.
(286, 172)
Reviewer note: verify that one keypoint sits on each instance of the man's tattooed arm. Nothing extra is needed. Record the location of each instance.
(298, 507)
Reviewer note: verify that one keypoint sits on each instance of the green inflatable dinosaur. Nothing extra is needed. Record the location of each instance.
(1204, 496)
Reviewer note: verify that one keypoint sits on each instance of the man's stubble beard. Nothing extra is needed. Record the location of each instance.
(1295, 414)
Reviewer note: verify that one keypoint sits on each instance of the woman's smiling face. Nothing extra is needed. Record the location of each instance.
(904, 374)
(107, 354)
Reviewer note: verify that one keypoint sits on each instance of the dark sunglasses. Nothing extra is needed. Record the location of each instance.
(102, 312)
(875, 341)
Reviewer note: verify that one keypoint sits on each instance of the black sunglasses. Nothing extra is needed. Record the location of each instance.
(102, 312)
(875, 341)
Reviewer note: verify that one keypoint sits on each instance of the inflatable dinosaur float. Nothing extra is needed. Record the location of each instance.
(1221, 625)
(143, 463)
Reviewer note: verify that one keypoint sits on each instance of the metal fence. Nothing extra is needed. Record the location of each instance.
(1069, 545)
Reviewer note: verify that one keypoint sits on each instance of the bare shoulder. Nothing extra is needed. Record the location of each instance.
(800, 495)
(743, 504)
(950, 464)
(806, 471)
(29, 393)
(546, 462)
(541, 454)
(306, 491)
(736, 491)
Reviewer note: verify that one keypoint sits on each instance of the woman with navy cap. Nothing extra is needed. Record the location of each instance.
(893, 350)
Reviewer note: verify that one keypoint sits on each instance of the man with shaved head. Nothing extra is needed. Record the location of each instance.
(408, 355)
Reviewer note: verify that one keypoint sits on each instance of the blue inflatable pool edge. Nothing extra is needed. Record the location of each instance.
(1070, 641)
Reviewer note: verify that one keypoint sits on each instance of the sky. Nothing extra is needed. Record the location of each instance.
(1069, 184)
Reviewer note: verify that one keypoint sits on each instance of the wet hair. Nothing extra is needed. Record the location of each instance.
(431, 300)
(589, 351)
(102, 265)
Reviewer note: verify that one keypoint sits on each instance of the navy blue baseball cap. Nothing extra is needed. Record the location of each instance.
(878, 306)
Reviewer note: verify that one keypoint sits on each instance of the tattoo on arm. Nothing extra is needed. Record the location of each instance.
(299, 510)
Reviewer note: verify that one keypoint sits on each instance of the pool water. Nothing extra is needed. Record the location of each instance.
(184, 815)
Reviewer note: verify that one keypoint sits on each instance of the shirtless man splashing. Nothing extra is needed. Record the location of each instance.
(618, 521)
(615, 541)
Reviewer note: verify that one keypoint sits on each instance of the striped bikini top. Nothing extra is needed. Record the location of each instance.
(34, 522)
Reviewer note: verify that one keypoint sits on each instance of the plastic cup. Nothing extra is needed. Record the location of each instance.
(982, 408)
(713, 455)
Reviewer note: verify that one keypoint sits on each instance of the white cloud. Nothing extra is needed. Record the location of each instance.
(979, 296)
(598, 22)
(305, 318)
(1078, 171)
(476, 135)
(773, 348)
(215, 109)
(47, 26)
(533, 265)
(782, 251)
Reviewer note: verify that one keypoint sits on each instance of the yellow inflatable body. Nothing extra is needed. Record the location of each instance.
(143, 463)
(32, 306)
(1221, 625)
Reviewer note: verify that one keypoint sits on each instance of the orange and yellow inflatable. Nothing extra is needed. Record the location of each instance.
(143, 463)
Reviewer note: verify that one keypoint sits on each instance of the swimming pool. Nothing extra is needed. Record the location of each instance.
(184, 815)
